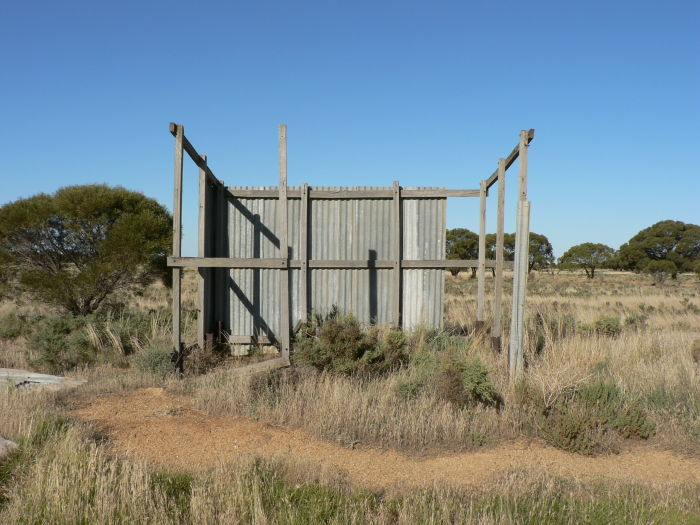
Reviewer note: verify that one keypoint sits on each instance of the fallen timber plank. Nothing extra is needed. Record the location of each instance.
(262, 366)
(18, 378)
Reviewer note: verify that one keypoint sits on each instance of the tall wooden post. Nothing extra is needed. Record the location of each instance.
(282, 228)
(481, 269)
(398, 233)
(177, 238)
(496, 329)
(304, 253)
(202, 298)
(522, 241)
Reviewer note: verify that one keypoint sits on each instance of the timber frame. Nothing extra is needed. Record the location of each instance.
(396, 193)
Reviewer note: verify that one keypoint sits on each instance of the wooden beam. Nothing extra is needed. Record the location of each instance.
(496, 331)
(517, 326)
(397, 234)
(437, 193)
(313, 264)
(481, 269)
(511, 158)
(249, 340)
(177, 236)
(256, 368)
(192, 152)
(522, 243)
(202, 297)
(282, 228)
(522, 171)
(304, 253)
(226, 262)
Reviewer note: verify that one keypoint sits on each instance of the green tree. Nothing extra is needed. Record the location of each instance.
(673, 241)
(540, 256)
(588, 256)
(661, 270)
(462, 244)
(83, 243)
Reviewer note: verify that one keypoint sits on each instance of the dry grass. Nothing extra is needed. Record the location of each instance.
(65, 476)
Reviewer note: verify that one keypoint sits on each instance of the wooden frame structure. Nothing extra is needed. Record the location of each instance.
(283, 263)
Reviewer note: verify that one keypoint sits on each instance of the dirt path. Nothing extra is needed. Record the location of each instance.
(166, 430)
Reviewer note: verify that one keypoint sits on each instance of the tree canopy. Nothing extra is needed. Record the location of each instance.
(464, 244)
(76, 247)
(673, 241)
(588, 256)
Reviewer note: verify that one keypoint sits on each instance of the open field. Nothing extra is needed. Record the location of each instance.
(605, 428)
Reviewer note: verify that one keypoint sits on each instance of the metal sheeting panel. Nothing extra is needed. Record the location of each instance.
(359, 229)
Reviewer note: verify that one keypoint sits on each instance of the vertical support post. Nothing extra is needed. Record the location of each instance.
(522, 241)
(202, 299)
(304, 253)
(284, 244)
(398, 233)
(481, 269)
(496, 329)
(177, 239)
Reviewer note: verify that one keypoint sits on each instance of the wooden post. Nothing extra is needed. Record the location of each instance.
(177, 237)
(520, 268)
(398, 233)
(201, 252)
(284, 245)
(496, 329)
(481, 269)
(304, 253)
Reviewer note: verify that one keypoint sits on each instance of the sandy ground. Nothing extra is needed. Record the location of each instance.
(166, 430)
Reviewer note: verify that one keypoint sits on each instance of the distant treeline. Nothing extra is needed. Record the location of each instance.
(664, 249)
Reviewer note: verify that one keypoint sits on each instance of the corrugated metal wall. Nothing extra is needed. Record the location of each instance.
(338, 229)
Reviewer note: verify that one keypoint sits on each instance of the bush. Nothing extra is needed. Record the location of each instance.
(74, 248)
(155, 358)
(606, 326)
(466, 383)
(13, 325)
(339, 344)
(65, 342)
(585, 418)
(636, 321)
(61, 344)
(661, 270)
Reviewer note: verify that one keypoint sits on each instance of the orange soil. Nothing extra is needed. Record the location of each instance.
(166, 430)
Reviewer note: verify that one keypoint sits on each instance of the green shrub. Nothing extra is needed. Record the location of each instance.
(547, 328)
(636, 321)
(13, 325)
(607, 326)
(586, 418)
(156, 358)
(176, 487)
(339, 344)
(61, 344)
(466, 383)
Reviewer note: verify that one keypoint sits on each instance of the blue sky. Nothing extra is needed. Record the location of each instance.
(427, 93)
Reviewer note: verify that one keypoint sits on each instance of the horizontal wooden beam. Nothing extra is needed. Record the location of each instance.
(249, 339)
(510, 159)
(226, 262)
(341, 264)
(435, 193)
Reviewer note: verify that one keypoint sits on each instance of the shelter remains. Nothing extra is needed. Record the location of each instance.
(271, 256)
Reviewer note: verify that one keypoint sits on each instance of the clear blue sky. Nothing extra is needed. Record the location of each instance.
(428, 93)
